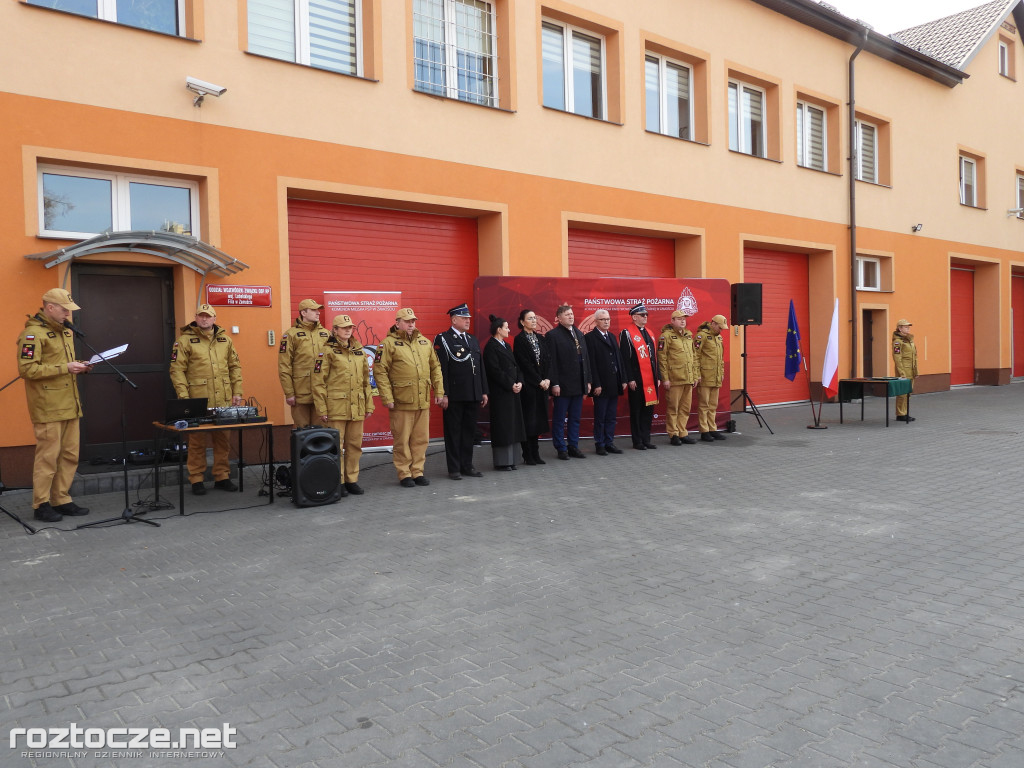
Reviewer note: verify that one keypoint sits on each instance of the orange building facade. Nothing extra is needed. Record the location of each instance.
(415, 145)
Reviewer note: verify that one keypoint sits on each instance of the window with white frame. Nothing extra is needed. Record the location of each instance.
(811, 132)
(325, 34)
(866, 145)
(968, 181)
(167, 16)
(869, 274)
(669, 105)
(573, 69)
(1020, 195)
(746, 119)
(75, 202)
(454, 49)
(1004, 59)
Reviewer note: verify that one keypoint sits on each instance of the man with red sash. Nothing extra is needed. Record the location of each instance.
(640, 361)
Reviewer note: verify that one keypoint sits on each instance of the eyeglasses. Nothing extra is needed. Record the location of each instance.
(642, 314)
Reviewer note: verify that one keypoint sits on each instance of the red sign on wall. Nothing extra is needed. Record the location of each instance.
(238, 295)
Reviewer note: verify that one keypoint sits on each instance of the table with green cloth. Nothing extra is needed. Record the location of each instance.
(851, 388)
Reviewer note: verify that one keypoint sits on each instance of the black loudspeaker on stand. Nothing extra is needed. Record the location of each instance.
(746, 304)
(746, 310)
(316, 466)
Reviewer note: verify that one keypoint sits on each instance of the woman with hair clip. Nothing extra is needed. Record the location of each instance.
(531, 353)
(505, 382)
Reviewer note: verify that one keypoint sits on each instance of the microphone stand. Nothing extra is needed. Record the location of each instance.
(127, 516)
(10, 514)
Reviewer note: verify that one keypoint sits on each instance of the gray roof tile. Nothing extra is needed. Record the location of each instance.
(953, 39)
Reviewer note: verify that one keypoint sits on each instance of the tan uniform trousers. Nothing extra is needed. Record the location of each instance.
(678, 398)
(902, 401)
(411, 432)
(55, 463)
(707, 408)
(197, 456)
(304, 415)
(350, 435)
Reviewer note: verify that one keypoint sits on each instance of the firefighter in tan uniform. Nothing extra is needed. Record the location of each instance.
(46, 361)
(406, 370)
(302, 346)
(904, 355)
(204, 363)
(343, 396)
(679, 374)
(708, 348)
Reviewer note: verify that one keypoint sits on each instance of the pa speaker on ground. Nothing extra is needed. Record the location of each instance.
(316, 466)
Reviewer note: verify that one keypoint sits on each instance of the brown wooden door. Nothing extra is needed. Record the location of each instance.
(868, 329)
(121, 305)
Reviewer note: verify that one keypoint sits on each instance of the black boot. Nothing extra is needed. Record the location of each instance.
(527, 453)
(535, 447)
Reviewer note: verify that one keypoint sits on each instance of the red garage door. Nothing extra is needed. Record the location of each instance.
(1017, 303)
(609, 254)
(961, 320)
(783, 276)
(431, 259)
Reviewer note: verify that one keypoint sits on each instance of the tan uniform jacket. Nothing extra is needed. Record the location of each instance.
(406, 370)
(676, 356)
(44, 351)
(904, 354)
(710, 361)
(301, 346)
(204, 366)
(341, 386)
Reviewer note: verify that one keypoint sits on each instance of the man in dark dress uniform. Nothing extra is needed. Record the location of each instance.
(609, 382)
(641, 364)
(465, 390)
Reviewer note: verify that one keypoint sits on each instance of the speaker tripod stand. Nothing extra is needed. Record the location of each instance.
(744, 396)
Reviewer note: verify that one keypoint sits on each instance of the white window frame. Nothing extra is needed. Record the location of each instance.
(451, 54)
(861, 176)
(1020, 194)
(739, 124)
(303, 36)
(803, 126)
(663, 105)
(569, 95)
(1004, 59)
(862, 284)
(120, 202)
(968, 164)
(107, 11)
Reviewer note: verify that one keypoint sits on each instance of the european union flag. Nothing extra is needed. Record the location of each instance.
(793, 355)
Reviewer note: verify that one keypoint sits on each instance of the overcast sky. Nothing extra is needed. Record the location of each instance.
(888, 16)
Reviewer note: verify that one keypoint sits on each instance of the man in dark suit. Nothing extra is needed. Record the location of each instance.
(641, 364)
(609, 382)
(570, 381)
(465, 390)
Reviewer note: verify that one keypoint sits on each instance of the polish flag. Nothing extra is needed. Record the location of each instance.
(830, 371)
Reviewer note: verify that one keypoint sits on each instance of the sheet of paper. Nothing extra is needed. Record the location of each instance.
(110, 354)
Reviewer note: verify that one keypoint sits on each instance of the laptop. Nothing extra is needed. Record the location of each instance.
(187, 409)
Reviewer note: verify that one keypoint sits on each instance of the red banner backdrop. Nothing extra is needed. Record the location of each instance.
(506, 296)
(373, 312)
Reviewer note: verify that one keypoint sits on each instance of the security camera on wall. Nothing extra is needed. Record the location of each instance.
(202, 89)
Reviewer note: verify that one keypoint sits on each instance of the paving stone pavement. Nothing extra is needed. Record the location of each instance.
(843, 597)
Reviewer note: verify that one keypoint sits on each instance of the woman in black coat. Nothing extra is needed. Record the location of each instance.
(531, 353)
(505, 383)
